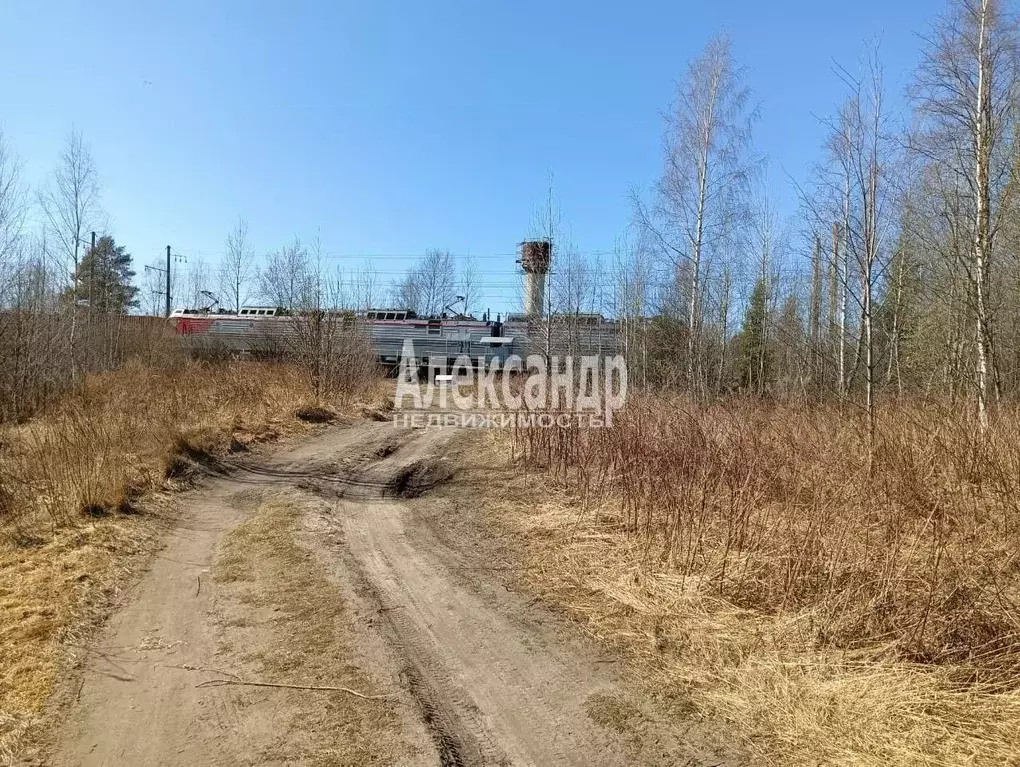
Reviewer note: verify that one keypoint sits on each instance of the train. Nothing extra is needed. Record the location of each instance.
(268, 331)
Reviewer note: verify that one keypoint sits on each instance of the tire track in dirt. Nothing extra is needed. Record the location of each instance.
(139, 702)
(482, 680)
(408, 467)
(492, 686)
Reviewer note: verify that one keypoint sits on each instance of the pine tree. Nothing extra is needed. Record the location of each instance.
(103, 279)
(754, 354)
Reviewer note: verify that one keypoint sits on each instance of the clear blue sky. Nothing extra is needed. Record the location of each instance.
(395, 127)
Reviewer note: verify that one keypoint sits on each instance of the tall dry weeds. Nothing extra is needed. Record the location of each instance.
(776, 509)
(767, 544)
(127, 431)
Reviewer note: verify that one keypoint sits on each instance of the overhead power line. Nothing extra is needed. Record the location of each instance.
(397, 256)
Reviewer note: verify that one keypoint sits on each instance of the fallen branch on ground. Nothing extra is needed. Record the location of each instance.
(238, 681)
(325, 688)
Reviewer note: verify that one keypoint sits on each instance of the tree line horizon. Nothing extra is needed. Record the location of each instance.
(909, 231)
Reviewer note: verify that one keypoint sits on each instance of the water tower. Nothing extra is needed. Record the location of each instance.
(536, 256)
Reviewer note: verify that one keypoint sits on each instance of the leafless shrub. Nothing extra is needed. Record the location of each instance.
(334, 351)
(782, 510)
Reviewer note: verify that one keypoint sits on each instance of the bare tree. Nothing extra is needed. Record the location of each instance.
(766, 243)
(286, 280)
(12, 202)
(632, 304)
(365, 288)
(327, 289)
(238, 268)
(827, 209)
(429, 286)
(469, 283)
(437, 274)
(573, 297)
(573, 283)
(407, 292)
(546, 224)
(199, 281)
(12, 218)
(848, 221)
(967, 95)
(864, 135)
(704, 184)
(70, 202)
(153, 291)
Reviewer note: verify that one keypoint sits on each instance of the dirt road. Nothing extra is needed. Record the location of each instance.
(349, 561)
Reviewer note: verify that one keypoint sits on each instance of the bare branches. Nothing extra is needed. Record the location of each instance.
(707, 162)
(430, 286)
(323, 688)
(702, 193)
(967, 93)
(69, 203)
(286, 280)
(238, 269)
(470, 282)
(13, 204)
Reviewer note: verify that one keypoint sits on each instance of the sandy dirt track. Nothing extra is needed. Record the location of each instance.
(475, 673)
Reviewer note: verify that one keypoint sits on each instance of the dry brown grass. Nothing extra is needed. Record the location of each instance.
(51, 595)
(72, 483)
(288, 623)
(130, 431)
(836, 609)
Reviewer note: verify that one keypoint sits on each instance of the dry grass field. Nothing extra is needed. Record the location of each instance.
(837, 606)
(82, 501)
(758, 563)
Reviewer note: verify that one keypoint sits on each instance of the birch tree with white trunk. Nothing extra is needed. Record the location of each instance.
(966, 93)
(702, 193)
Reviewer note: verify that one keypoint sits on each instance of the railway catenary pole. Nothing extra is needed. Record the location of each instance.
(167, 280)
